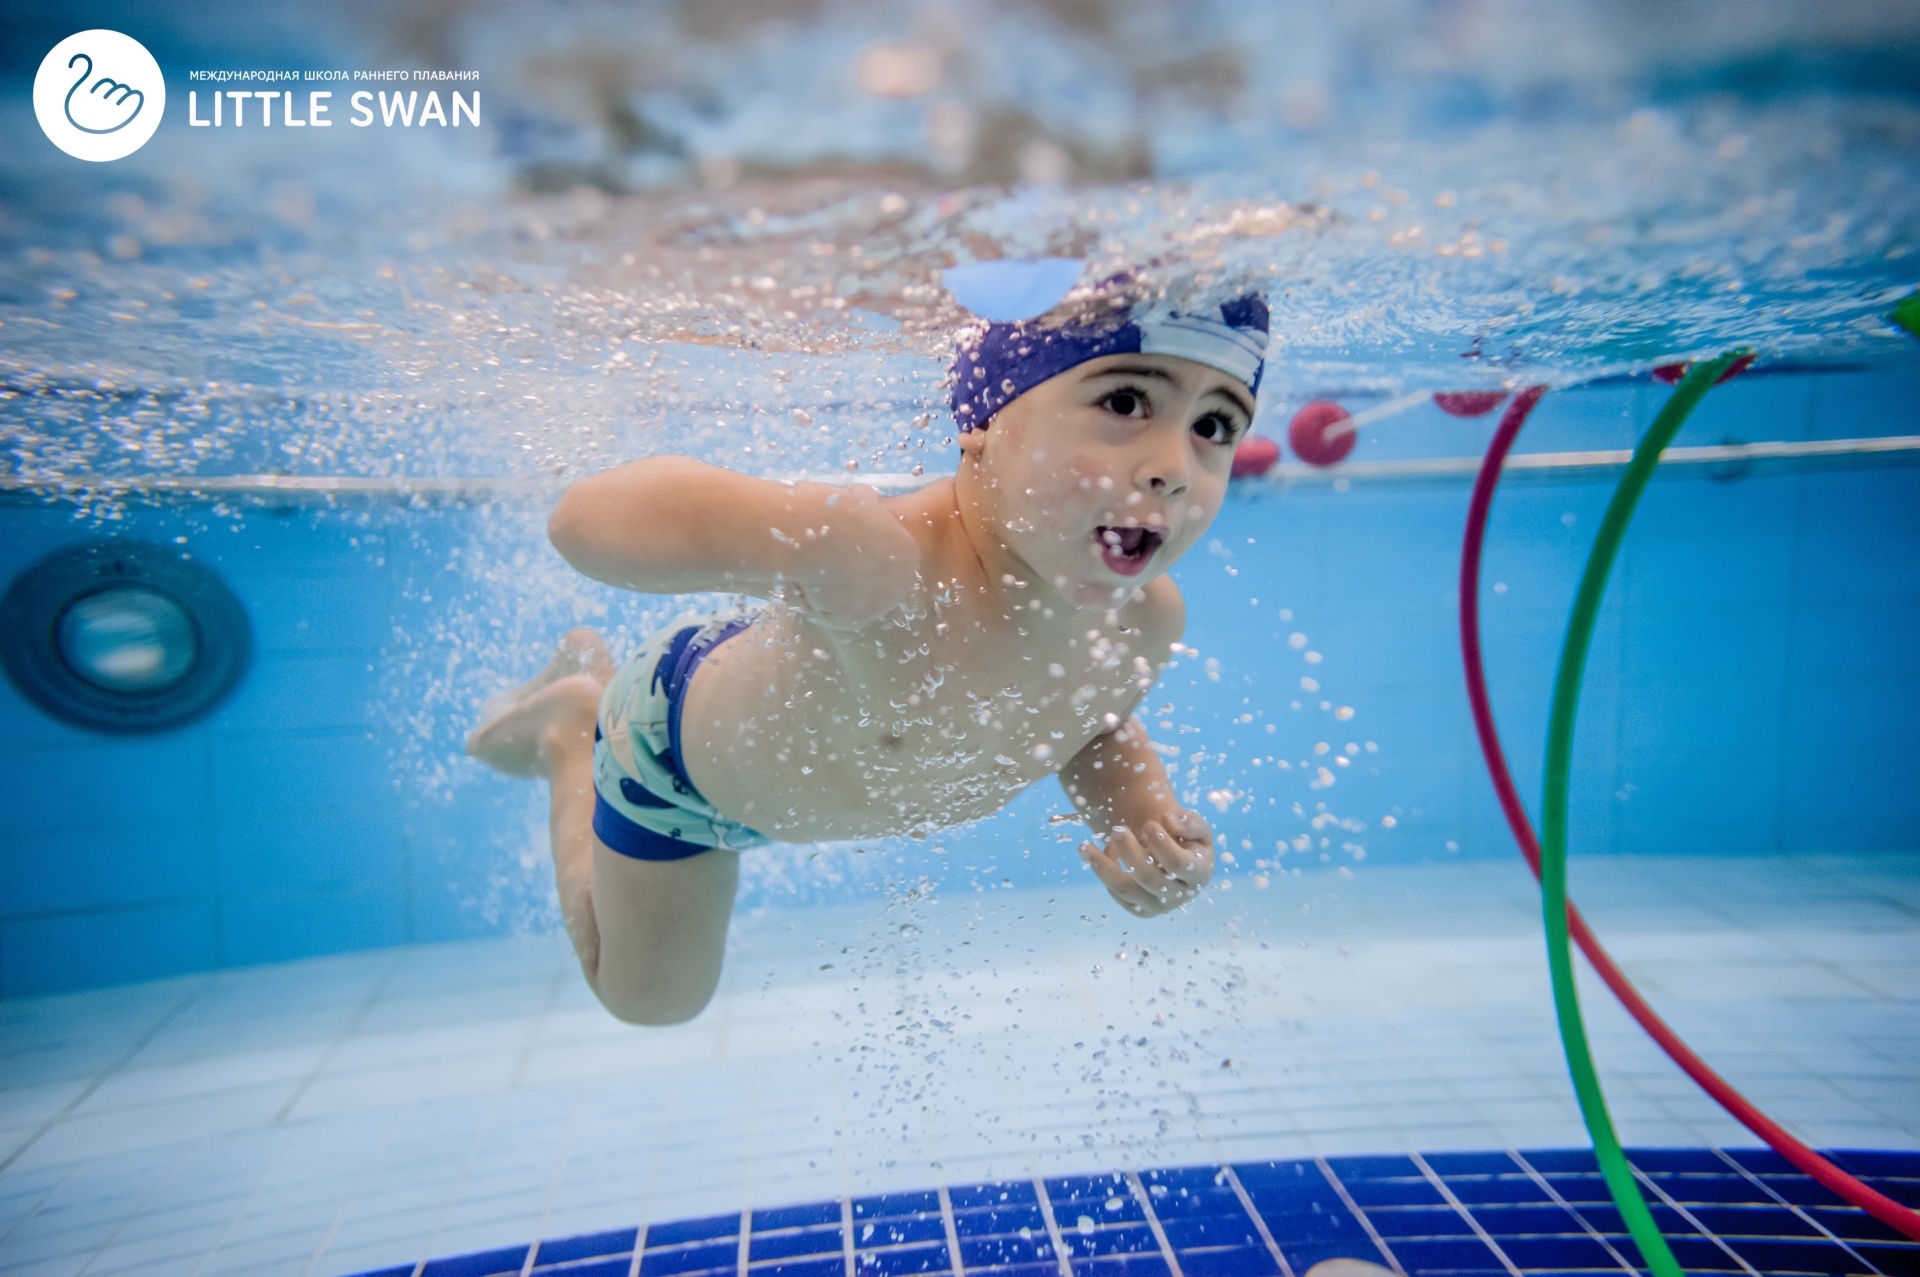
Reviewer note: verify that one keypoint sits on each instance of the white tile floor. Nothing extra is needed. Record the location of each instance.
(334, 1115)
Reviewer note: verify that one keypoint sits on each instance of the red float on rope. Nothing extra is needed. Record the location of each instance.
(1254, 457)
(1313, 438)
(1468, 403)
(1672, 373)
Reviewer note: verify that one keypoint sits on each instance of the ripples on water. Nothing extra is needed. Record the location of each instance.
(1557, 191)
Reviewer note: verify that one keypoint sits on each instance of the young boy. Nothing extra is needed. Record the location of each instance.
(922, 659)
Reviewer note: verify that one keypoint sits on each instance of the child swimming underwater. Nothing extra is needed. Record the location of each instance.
(921, 659)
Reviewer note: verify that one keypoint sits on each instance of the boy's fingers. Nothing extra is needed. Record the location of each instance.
(1176, 861)
(1199, 857)
(1111, 875)
(1177, 866)
(1149, 871)
(1120, 884)
(1128, 850)
(1184, 870)
(1196, 845)
(1191, 826)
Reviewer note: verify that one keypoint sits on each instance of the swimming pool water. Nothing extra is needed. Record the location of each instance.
(1751, 694)
(280, 990)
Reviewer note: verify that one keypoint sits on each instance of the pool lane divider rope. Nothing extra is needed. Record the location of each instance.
(1877, 1204)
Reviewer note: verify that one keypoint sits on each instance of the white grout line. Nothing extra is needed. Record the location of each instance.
(1253, 1213)
(953, 1233)
(1460, 1206)
(1768, 1189)
(1547, 1188)
(746, 1233)
(1053, 1228)
(1153, 1221)
(388, 970)
(1346, 1199)
(1687, 1215)
(846, 1235)
(342, 1211)
(146, 1038)
(282, 1155)
(639, 1245)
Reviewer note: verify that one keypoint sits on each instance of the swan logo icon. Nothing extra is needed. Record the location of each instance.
(99, 95)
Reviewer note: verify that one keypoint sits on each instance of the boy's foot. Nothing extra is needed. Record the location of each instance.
(581, 651)
(565, 696)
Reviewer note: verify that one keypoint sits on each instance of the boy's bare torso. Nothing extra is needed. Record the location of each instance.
(908, 679)
(922, 719)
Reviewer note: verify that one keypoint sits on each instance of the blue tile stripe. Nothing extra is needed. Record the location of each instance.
(1474, 1214)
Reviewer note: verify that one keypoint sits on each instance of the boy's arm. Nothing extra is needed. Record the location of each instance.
(669, 525)
(1157, 855)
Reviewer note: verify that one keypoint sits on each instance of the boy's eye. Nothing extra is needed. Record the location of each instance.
(1215, 428)
(1125, 402)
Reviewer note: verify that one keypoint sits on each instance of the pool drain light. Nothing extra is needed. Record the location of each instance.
(120, 636)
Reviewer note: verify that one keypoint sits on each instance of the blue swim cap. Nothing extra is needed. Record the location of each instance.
(998, 362)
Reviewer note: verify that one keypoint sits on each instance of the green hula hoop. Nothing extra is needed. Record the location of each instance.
(1553, 809)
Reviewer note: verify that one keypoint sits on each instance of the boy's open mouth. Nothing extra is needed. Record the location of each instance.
(1127, 550)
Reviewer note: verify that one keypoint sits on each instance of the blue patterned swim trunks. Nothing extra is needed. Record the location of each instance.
(644, 806)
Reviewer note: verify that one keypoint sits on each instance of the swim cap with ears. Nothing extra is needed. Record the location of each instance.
(999, 362)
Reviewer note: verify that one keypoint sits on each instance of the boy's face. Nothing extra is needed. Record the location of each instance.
(1099, 479)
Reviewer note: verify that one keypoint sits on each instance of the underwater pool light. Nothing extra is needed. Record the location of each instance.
(121, 636)
(127, 639)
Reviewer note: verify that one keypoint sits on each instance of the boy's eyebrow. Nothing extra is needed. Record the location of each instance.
(1143, 370)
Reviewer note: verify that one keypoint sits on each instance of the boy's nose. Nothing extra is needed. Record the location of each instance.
(1162, 466)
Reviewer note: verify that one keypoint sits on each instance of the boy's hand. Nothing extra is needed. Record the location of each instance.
(861, 566)
(1157, 870)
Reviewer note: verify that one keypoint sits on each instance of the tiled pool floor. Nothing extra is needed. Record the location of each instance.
(1489, 1214)
(348, 1113)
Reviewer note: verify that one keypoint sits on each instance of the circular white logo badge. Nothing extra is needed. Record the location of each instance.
(99, 95)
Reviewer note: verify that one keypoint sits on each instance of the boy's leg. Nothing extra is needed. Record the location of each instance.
(650, 935)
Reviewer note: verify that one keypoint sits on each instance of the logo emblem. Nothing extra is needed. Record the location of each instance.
(99, 95)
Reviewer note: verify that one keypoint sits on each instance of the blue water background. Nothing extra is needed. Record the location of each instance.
(1752, 691)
